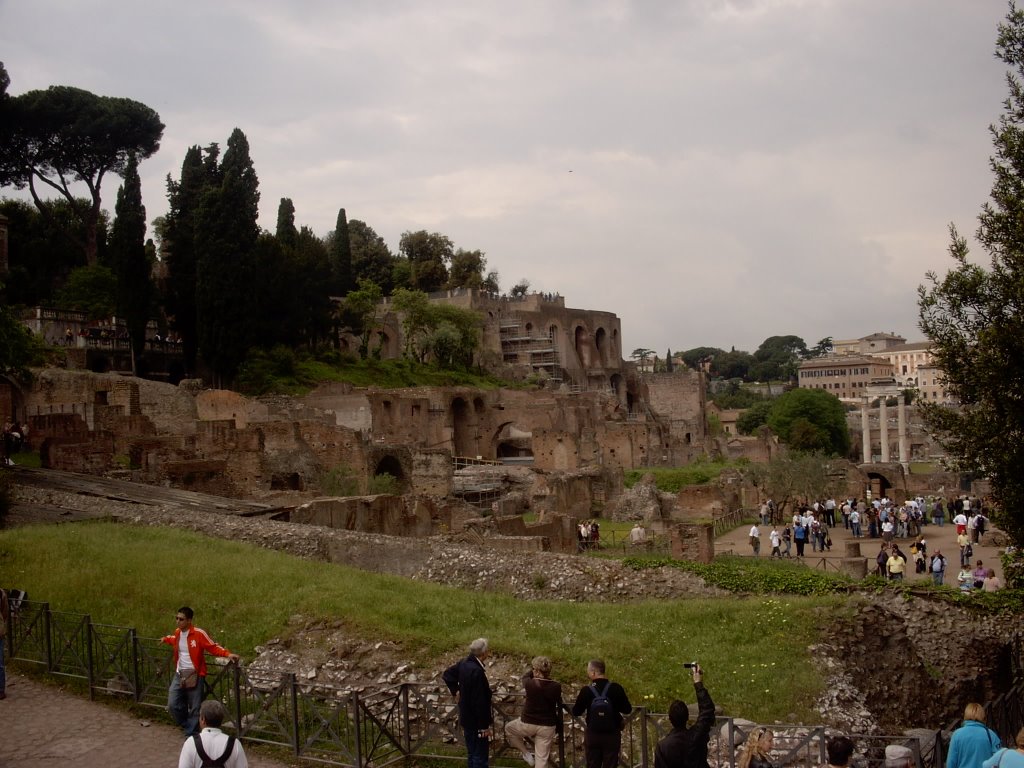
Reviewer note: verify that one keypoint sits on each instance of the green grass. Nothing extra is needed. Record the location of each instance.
(285, 371)
(673, 479)
(134, 576)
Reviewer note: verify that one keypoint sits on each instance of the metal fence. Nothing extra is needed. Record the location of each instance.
(398, 723)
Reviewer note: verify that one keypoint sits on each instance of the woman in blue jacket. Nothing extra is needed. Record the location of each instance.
(973, 743)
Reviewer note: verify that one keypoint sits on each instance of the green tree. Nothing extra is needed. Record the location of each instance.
(822, 348)
(520, 289)
(974, 316)
(793, 411)
(343, 277)
(40, 256)
(200, 173)
(359, 313)
(797, 477)
(429, 254)
(668, 360)
(778, 358)
(467, 269)
(226, 235)
(753, 418)
(92, 290)
(733, 364)
(641, 355)
(18, 347)
(696, 356)
(62, 135)
(286, 232)
(371, 258)
(130, 260)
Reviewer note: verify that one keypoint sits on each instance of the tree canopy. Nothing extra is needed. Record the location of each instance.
(60, 136)
(810, 420)
(974, 316)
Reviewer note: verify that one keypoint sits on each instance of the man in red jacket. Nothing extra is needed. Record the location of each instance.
(189, 679)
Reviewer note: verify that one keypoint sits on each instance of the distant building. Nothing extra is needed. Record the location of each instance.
(846, 376)
(867, 345)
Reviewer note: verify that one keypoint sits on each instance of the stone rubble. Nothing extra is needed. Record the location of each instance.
(861, 694)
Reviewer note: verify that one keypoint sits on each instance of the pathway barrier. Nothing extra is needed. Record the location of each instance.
(401, 723)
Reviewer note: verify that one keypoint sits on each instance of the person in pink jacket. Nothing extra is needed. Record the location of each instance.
(185, 694)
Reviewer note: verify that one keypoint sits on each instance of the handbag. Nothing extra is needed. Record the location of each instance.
(189, 680)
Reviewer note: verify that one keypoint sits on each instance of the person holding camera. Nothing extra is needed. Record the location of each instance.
(688, 747)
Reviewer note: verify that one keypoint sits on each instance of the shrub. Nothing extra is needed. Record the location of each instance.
(385, 483)
(339, 481)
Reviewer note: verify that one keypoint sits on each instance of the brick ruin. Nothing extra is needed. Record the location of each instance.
(576, 442)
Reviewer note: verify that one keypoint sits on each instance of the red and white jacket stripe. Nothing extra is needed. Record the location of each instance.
(199, 643)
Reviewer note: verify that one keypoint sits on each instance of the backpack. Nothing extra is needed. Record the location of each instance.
(602, 716)
(209, 762)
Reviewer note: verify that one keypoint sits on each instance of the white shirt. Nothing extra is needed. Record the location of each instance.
(755, 532)
(214, 742)
(960, 519)
(774, 536)
(184, 659)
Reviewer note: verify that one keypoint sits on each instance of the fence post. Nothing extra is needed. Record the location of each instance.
(133, 636)
(90, 671)
(293, 695)
(48, 636)
(822, 756)
(237, 683)
(406, 736)
(938, 751)
(643, 737)
(357, 721)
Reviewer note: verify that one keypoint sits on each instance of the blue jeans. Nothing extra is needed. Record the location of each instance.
(183, 704)
(477, 749)
(937, 577)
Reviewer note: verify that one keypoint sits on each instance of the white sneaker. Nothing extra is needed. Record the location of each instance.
(528, 757)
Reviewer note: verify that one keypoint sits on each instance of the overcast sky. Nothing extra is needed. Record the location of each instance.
(712, 171)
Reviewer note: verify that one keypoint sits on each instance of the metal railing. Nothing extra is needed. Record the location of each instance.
(337, 726)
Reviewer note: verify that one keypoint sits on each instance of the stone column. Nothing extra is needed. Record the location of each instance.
(883, 428)
(865, 431)
(901, 413)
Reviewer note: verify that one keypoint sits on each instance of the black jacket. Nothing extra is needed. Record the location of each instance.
(616, 694)
(468, 679)
(688, 747)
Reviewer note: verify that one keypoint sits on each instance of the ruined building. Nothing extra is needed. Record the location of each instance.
(590, 411)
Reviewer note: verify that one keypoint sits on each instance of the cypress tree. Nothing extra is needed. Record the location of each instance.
(198, 174)
(131, 262)
(286, 234)
(341, 257)
(226, 237)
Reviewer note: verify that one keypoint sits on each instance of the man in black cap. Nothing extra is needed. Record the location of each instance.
(688, 747)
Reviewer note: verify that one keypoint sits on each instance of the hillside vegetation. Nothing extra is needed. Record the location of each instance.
(128, 576)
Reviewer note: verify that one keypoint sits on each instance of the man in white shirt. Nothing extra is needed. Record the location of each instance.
(212, 740)
(755, 540)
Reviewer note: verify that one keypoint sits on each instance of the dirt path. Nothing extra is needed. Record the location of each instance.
(45, 726)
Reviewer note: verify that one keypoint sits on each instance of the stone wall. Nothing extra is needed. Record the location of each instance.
(432, 473)
(370, 514)
(693, 542)
(679, 399)
(704, 502)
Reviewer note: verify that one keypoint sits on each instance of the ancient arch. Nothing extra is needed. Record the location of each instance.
(582, 345)
(390, 465)
(463, 428)
(512, 442)
(601, 342)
